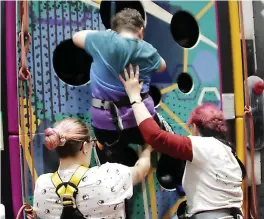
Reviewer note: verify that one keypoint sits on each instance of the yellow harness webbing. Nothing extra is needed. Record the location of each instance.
(67, 191)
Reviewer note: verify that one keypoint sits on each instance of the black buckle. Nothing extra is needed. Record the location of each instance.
(236, 213)
(102, 107)
(65, 198)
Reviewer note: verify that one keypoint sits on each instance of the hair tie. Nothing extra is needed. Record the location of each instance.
(62, 138)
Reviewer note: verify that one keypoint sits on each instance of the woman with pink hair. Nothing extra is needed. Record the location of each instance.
(213, 174)
(76, 191)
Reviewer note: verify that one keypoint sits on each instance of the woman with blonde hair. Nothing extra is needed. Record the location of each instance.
(76, 191)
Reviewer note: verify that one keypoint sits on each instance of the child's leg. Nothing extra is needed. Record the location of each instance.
(126, 156)
(106, 136)
(115, 145)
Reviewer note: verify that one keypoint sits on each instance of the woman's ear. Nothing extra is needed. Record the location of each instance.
(85, 147)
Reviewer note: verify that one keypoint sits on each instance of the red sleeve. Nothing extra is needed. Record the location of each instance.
(179, 147)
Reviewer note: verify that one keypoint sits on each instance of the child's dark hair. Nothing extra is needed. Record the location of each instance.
(211, 123)
(127, 19)
(67, 137)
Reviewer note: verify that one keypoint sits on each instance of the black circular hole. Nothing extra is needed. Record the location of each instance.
(185, 82)
(155, 93)
(105, 10)
(184, 29)
(170, 172)
(71, 63)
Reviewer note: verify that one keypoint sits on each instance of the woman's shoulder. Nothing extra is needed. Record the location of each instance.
(44, 177)
(205, 148)
(43, 181)
(110, 168)
(203, 141)
(110, 174)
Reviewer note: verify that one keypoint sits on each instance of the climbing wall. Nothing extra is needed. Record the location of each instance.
(191, 78)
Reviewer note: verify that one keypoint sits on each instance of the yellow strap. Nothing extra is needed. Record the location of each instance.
(75, 179)
(78, 175)
(56, 180)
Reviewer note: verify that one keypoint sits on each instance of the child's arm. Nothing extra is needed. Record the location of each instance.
(79, 37)
(156, 62)
(163, 65)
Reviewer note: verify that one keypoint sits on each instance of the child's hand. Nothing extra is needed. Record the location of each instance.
(131, 84)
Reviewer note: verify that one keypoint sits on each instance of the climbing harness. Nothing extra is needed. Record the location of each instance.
(227, 213)
(250, 208)
(113, 107)
(67, 192)
(25, 84)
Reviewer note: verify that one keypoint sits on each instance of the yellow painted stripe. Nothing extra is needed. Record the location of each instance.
(152, 194)
(204, 10)
(144, 191)
(174, 208)
(176, 118)
(23, 134)
(27, 153)
(169, 89)
(185, 61)
(23, 112)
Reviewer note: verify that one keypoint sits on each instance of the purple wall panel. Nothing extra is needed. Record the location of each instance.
(12, 105)
(12, 102)
(15, 173)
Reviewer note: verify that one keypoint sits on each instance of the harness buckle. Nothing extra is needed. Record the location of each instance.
(68, 200)
(102, 104)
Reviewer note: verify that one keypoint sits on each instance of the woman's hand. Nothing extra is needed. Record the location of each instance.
(131, 83)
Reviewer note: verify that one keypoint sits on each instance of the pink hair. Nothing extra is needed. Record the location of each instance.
(65, 130)
(208, 116)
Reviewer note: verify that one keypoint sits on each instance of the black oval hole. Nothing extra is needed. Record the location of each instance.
(185, 82)
(106, 14)
(184, 29)
(155, 93)
(170, 172)
(72, 64)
